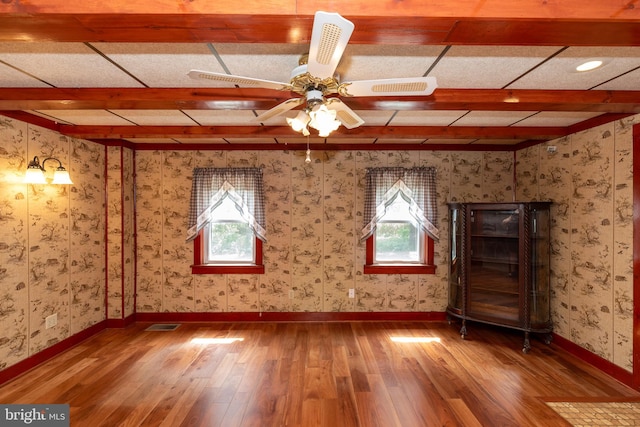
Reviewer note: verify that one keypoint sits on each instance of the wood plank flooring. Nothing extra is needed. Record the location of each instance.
(312, 374)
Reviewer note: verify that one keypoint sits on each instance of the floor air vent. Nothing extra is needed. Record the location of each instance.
(163, 327)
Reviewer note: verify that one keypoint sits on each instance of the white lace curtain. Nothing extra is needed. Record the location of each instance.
(417, 186)
(242, 185)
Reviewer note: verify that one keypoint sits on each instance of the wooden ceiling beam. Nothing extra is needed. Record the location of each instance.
(261, 99)
(502, 22)
(400, 132)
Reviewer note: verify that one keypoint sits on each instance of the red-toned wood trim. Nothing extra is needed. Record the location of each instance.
(328, 146)
(121, 323)
(371, 268)
(199, 268)
(135, 240)
(266, 132)
(593, 359)
(291, 316)
(603, 101)
(524, 22)
(122, 246)
(636, 256)
(23, 366)
(105, 174)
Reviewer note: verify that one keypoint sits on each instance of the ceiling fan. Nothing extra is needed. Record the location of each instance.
(315, 79)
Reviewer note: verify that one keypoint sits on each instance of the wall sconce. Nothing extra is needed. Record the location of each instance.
(35, 173)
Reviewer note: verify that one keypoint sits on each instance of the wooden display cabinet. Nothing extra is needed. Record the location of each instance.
(499, 266)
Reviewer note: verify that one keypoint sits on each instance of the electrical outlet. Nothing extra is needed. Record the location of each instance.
(551, 149)
(352, 293)
(51, 321)
(292, 294)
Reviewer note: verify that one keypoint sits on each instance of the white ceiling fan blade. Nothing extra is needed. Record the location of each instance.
(281, 108)
(390, 87)
(238, 80)
(344, 114)
(329, 37)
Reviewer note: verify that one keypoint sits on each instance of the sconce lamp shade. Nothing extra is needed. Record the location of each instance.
(61, 176)
(35, 173)
(34, 176)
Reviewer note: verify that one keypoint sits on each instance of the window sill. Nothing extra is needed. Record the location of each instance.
(399, 269)
(227, 269)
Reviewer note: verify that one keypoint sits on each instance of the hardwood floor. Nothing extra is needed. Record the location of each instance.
(312, 374)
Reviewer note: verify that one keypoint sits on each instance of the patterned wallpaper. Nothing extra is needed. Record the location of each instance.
(589, 178)
(313, 255)
(51, 241)
(53, 255)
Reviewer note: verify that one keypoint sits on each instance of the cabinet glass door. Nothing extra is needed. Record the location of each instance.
(494, 272)
(540, 258)
(455, 261)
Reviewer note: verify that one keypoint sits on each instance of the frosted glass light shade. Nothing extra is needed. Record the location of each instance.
(61, 176)
(34, 176)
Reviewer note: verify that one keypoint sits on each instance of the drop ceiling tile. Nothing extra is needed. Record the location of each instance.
(368, 62)
(488, 67)
(374, 118)
(83, 117)
(559, 72)
(628, 81)
(223, 117)
(163, 64)
(65, 65)
(263, 61)
(155, 117)
(492, 118)
(10, 77)
(556, 118)
(426, 118)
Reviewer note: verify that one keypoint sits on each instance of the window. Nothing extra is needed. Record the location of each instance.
(400, 213)
(226, 221)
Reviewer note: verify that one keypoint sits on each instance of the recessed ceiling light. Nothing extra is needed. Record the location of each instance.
(589, 65)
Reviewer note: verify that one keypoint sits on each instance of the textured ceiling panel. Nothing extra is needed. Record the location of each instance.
(84, 117)
(223, 117)
(556, 118)
(162, 65)
(487, 66)
(155, 117)
(264, 61)
(426, 118)
(560, 71)
(64, 65)
(492, 118)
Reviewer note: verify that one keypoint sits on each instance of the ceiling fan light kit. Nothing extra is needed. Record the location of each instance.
(315, 78)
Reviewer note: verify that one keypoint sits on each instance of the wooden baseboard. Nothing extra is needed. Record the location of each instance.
(121, 323)
(290, 317)
(614, 371)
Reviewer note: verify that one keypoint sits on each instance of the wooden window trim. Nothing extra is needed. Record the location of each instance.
(427, 268)
(199, 268)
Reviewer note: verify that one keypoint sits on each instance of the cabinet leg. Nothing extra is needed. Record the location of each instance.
(463, 330)
(548, 338)
(527, 345)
